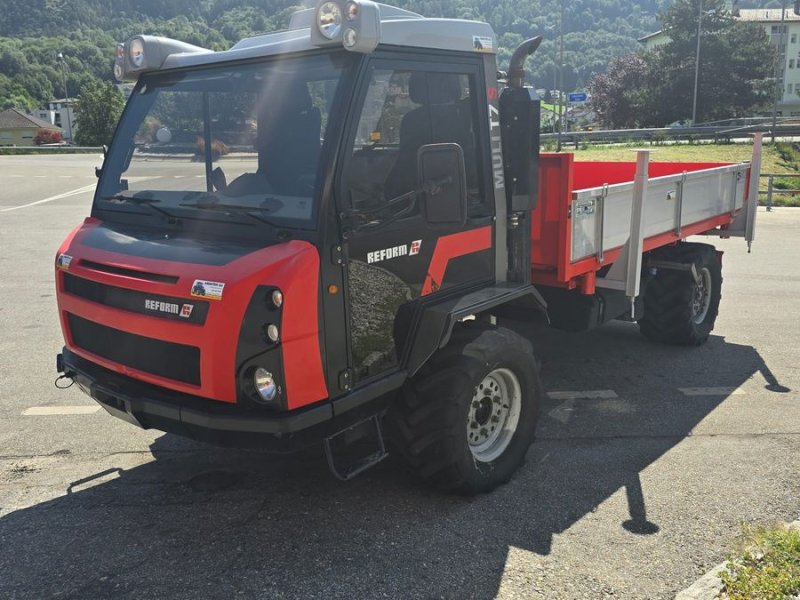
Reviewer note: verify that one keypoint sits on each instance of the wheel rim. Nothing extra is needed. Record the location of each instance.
(494, 414)
(701, 297)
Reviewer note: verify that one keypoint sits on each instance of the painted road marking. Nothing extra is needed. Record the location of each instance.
(712, 391)
(585, 395)
(77, 192)
(49, 411)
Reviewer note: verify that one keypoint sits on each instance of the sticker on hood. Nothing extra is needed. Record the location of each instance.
(211, 290)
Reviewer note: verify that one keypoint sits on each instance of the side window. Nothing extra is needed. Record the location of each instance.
(404, 110)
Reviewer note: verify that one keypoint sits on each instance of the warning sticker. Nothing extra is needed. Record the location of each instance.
(211, 290)
(63, 261)
(482, 43)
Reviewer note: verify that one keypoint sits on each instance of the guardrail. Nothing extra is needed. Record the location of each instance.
(705, 133)
(771, 189)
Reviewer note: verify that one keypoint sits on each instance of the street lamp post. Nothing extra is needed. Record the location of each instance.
(697, 62)
(63, 62)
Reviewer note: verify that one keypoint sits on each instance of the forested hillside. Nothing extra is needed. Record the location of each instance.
(33, 32)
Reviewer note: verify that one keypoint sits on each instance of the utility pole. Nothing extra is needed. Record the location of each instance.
(63, 62)
(561, 81)
(780, 66)
(697, 62)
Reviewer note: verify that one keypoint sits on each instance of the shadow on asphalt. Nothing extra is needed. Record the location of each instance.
(200, 522)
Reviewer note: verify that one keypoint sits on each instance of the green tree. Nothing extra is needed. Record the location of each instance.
(737, 62)
(622, 95)
(98, 109)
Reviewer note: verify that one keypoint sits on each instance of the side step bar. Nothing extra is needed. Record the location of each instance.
(352, 451)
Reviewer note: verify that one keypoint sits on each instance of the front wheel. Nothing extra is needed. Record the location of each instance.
(465, 422)
(680, 308)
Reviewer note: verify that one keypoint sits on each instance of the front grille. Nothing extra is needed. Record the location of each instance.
(94, 266)
(165, 359)
(154, 305)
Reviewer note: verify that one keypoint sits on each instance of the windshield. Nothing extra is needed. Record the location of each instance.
(234, 144)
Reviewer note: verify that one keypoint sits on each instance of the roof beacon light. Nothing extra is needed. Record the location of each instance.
(361, 17)
(143, 53)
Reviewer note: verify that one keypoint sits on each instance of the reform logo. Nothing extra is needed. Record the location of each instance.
(169, 308)
(411, 249)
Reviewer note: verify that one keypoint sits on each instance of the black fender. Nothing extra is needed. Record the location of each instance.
(434, 322)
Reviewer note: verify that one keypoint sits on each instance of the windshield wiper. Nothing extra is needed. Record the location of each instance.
(214, 204)
(140, 201)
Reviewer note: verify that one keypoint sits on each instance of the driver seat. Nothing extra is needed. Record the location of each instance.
(443, 117)
(288, 139)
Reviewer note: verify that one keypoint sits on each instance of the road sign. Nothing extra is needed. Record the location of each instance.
(578, 97)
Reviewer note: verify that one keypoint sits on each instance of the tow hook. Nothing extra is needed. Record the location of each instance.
(63, 375)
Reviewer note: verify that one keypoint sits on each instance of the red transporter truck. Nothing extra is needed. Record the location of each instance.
(309, 238)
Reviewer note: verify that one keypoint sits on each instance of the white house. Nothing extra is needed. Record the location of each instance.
(64, 111)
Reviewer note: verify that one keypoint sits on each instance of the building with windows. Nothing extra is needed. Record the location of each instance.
(64, 111)
(786, 38)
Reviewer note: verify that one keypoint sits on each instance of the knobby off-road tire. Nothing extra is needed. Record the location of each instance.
(677, 309)
(466, 420)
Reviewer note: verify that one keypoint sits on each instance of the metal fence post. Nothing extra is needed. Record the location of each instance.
(769, 193)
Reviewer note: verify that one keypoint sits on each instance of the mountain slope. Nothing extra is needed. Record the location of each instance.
(32, 33)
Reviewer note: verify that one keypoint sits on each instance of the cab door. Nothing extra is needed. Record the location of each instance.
(394, 258)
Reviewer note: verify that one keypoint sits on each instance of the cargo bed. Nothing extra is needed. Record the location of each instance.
(585, 219)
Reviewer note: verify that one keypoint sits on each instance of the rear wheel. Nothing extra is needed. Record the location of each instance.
(680, 308)
(465, 422)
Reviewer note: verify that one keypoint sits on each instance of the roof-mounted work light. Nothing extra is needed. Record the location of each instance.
(355, 24)
(143, 53)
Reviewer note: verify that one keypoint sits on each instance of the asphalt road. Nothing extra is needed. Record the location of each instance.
(631, 492)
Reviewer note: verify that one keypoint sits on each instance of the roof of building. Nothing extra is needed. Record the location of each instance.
(13, 118)
(766, 15)
(751, 15)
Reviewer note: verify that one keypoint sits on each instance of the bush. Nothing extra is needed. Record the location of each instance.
(47, 136)
(218, 148)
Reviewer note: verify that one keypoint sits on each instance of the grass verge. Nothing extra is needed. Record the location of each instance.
(767, 565)
(10, 151)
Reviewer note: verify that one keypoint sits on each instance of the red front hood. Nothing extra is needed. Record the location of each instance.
(291, 266)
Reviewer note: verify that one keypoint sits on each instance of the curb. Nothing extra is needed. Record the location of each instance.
(709, 586)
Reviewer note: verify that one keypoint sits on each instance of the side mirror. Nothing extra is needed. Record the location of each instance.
(443, 182)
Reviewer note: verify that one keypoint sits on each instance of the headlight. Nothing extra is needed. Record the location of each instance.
(329, 20)
(277, 298)
(265, 384)
(350, 37)
(136, 52)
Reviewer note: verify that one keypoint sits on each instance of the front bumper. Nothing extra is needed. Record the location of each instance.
(151, 407)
